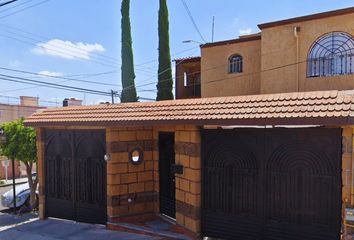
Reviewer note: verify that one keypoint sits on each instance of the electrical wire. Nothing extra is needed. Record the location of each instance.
(86, 76)
(23, 9)
(62, 77)
(52, 85)
(6, 3)
(192, 20)
(15, 6)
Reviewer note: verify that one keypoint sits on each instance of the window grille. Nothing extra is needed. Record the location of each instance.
(331, 55)
(235, 64)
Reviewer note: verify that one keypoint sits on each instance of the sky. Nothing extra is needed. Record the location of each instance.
(80, 40)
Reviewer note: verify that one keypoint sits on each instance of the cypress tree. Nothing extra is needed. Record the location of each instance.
(129, 91)
(165, 82)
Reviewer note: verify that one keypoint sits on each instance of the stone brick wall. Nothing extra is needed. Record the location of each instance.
(41, 171)
(130, 188)
(188, 184)
(347, 179)
(133, 190)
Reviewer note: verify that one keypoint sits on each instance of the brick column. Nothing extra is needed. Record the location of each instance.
(347, 178)
(41, 171)
(130, 188)
(188, 184)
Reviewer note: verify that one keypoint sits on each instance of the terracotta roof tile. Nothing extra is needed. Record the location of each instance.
(321, 107)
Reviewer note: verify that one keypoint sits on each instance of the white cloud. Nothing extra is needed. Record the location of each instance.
(67, 49)
(246, 31)
(50, 74)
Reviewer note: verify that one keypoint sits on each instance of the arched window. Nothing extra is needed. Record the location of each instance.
(235, 64)
(330, 55)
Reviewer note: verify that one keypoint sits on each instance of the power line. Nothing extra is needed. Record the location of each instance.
(23, 9)
(51, 85)
(96, 58)
(192, 19)
(61, 77)
(237, 76)
(173, 54)
(6, 3)
(167, 69)
(107, 59)
(87, 76)
(18, 98)
(15, 6)
(223, 65)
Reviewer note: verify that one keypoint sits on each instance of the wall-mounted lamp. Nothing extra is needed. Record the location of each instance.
(107, 157)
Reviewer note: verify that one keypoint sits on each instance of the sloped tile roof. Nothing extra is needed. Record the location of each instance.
(321, 107)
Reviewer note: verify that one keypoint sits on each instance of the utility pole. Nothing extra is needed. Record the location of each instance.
(113, 93)
(212, 30)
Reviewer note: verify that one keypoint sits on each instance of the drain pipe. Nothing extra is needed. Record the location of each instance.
(296, 35)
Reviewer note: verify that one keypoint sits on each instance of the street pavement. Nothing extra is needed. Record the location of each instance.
(29, 227)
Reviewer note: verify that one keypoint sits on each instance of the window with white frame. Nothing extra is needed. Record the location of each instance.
(236, 64)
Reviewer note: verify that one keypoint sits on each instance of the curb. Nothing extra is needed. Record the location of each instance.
(10, 184)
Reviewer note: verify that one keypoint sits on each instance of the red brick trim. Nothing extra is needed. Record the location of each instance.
(188, 210)
(188, 149)
(119, 146)
(122, 200)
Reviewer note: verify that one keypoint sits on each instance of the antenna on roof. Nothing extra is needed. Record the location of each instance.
(212, 30)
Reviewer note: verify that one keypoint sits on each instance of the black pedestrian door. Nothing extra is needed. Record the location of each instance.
(272, 184)
(76, 175)
(167, 178)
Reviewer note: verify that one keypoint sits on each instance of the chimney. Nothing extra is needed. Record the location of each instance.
(72, 102)
(29, 101)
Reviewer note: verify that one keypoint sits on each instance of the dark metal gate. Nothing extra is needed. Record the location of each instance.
(76, 175)
(167, 177)
(272, 184)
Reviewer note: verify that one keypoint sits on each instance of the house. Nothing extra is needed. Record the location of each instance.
(9, 112)
(266, 152)
(291, 55)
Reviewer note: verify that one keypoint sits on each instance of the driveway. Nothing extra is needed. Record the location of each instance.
(29, 227)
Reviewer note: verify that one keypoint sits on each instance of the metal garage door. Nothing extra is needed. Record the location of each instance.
(75, 175)
(272, 184)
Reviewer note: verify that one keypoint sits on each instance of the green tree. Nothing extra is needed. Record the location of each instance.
(129, 91)
(21, 145)
(165, 82)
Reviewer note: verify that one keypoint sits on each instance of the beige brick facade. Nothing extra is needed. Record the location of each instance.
(133, 190)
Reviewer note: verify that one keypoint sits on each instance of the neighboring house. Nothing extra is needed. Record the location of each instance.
(295, 55)
(188, 78)
(265, 153)
(10, 112)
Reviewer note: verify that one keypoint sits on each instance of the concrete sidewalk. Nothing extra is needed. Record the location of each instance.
(29, 227)
(17, 181)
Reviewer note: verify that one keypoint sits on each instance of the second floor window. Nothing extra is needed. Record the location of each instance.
(331, 55)
(235, 64)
